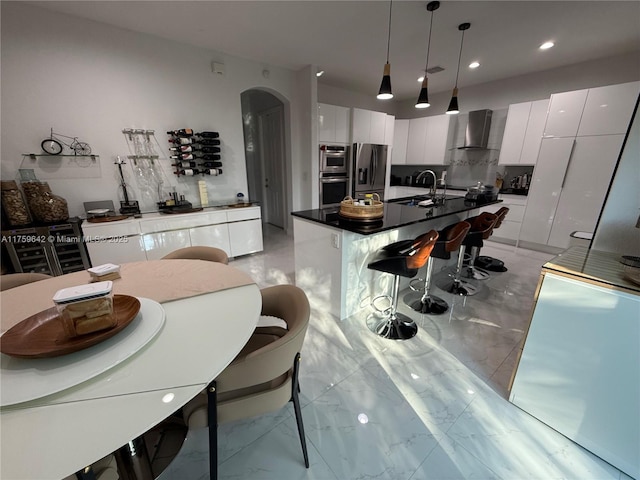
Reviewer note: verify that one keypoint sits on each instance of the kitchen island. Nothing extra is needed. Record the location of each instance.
(332, 253)
(579, 368)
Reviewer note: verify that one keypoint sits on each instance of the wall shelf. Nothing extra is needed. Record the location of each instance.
(50, 167)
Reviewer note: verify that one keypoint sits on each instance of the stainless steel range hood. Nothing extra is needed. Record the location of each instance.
(477, 133)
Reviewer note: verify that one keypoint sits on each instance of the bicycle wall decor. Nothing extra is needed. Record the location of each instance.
(54, 144)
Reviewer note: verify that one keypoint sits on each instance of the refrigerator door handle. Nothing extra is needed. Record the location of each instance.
(375, 167)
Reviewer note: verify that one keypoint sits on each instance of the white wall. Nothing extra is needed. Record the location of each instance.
(92, 80)
(347, 98)
(616, 230)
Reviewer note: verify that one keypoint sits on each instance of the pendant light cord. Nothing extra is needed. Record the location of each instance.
(389, 36)
(459, 58)
(428, 45)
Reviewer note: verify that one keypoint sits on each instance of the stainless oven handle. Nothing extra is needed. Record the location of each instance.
(333, 180)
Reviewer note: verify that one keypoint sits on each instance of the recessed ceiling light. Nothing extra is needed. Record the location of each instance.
(474, 65)
(546, 45)
(319, 73)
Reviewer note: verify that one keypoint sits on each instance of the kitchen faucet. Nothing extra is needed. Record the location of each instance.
(433, 189)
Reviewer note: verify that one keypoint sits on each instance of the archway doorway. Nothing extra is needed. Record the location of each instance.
(263, 116)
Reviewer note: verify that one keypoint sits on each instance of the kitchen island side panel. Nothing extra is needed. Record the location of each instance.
(332, 262)
(580, 366)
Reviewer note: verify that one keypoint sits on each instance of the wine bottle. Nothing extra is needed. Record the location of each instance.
(184, 156)
(182, 148)
(208, 141)
(209, 157)
(213, 171)
(189, 172)
(210, 149)
(212, 164)
(207, 134)
(181, 140)
(184, 132)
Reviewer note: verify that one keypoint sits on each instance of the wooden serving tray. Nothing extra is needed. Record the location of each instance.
(42, 335)
(112, 218)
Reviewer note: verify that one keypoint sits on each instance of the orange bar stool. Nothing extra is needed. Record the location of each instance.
(449, 240)
(489, 263)
(481, 229)
(481, 226)
(388, 322)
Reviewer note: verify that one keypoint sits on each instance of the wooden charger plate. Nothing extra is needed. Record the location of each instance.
(42, 335)
(113, 218)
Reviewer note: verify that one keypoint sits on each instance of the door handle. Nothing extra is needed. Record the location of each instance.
(564, 178)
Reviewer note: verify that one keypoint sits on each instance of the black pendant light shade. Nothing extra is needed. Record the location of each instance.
(423, 98)
(453, 104)
(385, 92)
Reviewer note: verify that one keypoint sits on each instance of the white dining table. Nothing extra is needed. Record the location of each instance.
(209, 317)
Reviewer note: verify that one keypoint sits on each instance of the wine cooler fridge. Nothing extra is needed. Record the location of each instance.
(53, 249)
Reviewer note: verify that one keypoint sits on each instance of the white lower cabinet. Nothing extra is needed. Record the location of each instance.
(117, 250)
(157, 245)
(211, 236)
(245, 237)
(236, 231)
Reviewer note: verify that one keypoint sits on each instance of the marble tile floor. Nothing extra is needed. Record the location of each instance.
(433, 407)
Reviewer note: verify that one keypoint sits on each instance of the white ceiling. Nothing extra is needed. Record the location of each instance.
(349, 39)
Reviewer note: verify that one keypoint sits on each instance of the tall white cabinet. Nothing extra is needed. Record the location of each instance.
(583, 137)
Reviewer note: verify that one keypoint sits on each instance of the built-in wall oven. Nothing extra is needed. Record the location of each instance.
(334, 158)
(334, 175)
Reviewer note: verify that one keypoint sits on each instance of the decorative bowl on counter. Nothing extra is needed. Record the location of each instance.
(351, 210)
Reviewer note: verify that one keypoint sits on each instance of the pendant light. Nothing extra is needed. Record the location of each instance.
(385, 87)
(423, 98)
(453, 104)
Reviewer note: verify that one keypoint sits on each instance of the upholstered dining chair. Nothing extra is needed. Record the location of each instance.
(263, 377)
(211, 254)
(12, 280)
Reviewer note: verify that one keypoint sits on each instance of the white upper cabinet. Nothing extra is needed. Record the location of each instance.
(333, 123)
(368, 126)
(565, 111)
(389, 129)
(428, 139)
(416, 140)
(523, 133)
(535, 131)
(400, 136)
(608, 109)
(514, 131)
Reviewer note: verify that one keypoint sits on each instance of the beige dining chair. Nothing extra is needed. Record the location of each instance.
(263, 377)
(12, 280)
(211, 254)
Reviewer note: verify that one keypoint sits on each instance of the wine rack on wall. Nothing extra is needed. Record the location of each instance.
(195, 153)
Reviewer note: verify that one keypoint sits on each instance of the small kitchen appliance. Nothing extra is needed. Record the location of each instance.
(481, 193)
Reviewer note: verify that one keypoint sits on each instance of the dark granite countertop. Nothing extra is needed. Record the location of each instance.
(395, 215)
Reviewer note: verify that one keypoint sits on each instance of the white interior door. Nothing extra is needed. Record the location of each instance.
(271, 125)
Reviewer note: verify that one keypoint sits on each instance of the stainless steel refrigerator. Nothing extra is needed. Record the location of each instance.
(369, 169)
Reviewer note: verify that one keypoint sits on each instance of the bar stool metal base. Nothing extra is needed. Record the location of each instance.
(490, 263)
(396, 327)
(426, 304)
(458, 288)
(474, 273)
